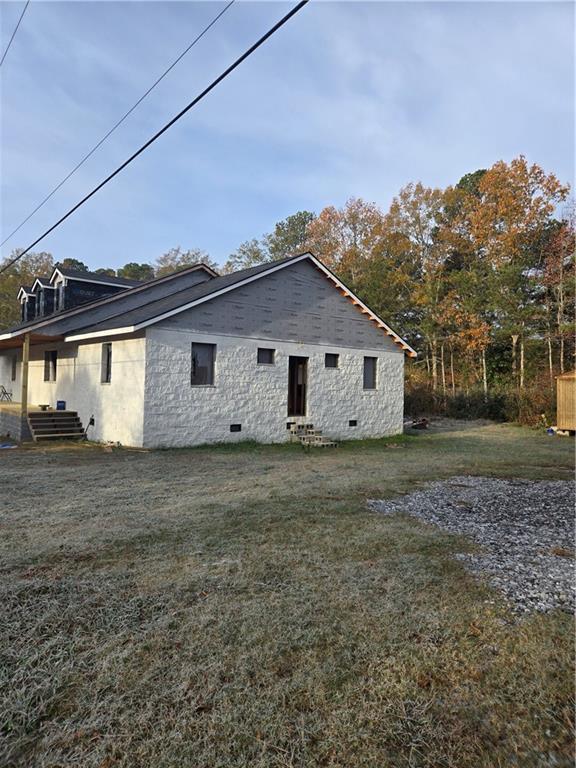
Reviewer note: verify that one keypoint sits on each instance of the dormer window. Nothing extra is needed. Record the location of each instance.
(59, 297)
(27, 303)
(43, 294)
(30, 307)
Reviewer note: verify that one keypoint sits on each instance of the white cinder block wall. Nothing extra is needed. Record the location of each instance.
(255, 396)
(117, 406)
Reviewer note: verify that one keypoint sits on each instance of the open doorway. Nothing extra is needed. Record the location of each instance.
(297, 380)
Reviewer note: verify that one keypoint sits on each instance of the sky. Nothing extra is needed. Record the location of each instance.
(349, 99)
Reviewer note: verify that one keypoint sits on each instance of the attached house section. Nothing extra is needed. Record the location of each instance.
(286, 348)
(74, 373)
(247, 400)
(194, 357)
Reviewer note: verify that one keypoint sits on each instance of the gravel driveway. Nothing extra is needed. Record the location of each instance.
(525, 530)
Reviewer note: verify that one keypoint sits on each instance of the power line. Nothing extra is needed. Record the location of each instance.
(168, 125)
(116, 125)
(14, 33)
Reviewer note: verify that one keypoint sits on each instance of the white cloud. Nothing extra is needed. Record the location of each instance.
(347, 99)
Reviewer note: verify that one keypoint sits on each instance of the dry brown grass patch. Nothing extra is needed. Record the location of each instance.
(203, 608)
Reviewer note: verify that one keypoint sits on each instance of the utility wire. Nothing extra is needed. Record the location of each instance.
(14, 33)
(120, 121)
(168, 125)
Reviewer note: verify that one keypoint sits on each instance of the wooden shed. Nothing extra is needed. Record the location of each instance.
(566, 401)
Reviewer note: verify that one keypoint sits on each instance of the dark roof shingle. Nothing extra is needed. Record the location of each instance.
(138, 297)
(97, 277)
(164, 304)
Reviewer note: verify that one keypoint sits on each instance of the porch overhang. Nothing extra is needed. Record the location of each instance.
(16, 342)
(23, 340)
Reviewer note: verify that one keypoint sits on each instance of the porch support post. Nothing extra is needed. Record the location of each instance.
(24, 390)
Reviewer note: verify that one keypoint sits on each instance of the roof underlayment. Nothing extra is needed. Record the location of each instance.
(151, 302)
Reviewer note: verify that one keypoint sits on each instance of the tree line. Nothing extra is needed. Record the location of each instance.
(478, 277)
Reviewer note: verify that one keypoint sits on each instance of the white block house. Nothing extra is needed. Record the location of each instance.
(194, 358)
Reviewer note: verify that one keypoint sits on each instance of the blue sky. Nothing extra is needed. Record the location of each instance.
(348, 99)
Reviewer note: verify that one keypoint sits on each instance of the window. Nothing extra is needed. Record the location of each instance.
(266, 356)
(50, 361)
(370, 372)
(331, 360)
(106, 364)
(353, 423)
(235, 427)
(29, 308)
(60, 297)
(14, 364)
(203, 356)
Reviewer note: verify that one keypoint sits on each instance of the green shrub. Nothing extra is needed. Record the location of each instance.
(533, 407)
(475, 405)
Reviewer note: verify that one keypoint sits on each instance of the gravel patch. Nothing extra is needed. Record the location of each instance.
(525, 529)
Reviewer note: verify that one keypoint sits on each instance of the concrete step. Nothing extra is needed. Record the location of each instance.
(321, 444)
(316, 441)
(310, 437)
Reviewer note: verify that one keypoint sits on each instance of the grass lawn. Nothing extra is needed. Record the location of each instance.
(241, 606)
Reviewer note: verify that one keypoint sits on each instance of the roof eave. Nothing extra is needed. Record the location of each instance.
(42, 285)
(101, 334)
(95, 281)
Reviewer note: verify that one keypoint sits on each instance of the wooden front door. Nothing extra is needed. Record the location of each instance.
(297, 378)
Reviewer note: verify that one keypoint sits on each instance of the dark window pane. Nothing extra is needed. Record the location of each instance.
(331, 360)
(50, 361)
(106, 368)
(266, 356)
(14, 366)
(370, 372)
(202, 364)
